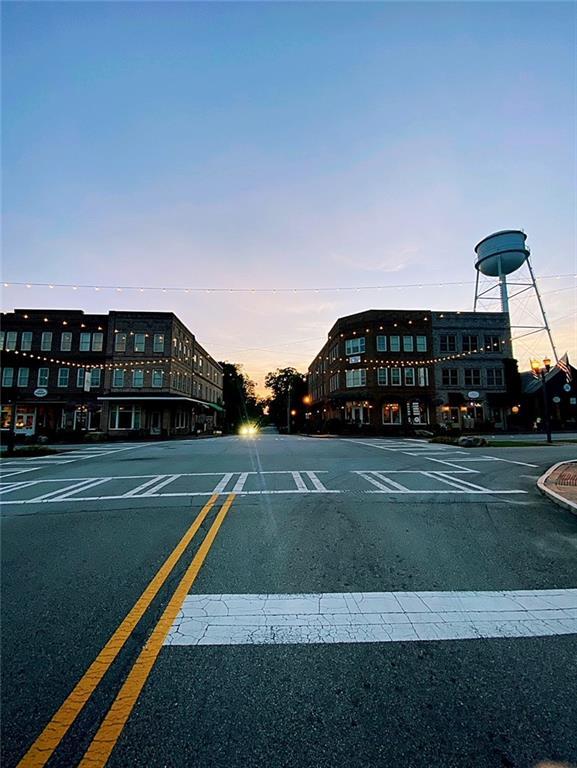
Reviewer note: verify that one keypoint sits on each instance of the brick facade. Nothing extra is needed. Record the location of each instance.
(125, 373)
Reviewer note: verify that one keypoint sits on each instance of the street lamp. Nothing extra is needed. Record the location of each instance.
(540, 369)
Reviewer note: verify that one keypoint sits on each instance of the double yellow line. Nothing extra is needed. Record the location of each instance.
(111, 727)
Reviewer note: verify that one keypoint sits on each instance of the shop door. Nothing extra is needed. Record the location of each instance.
(155, 422)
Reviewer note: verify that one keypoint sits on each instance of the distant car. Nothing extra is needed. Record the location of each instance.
(248, 430)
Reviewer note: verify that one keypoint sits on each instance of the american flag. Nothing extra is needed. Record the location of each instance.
(563, 364)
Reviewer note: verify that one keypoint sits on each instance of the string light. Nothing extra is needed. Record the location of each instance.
(275, 289)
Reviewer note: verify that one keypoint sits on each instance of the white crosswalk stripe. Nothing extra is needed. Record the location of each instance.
(372, 617)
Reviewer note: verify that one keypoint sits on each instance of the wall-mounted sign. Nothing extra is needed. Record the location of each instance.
(573, 401)
(556, 399)
(567, 387)
(40, 392)
(472, 395)
(355, 359)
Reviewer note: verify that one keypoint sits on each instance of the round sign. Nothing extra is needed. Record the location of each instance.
(567, 387)
(556, 399)
(473, 394)
(40, 392)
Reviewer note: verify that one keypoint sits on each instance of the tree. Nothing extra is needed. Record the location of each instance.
(288, 387)
(240, 400)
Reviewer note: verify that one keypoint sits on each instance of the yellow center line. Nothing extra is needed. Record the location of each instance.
(113, 724)
(44, 746)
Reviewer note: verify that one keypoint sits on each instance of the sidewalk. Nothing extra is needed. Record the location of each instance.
(560, 484)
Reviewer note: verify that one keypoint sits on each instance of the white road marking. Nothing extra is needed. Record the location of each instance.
(299, 482)
(318, 486)
(509, 461)
(240, 483)
(69, 492)
(219, 488)
(372, 617)
(155, 488)
(401, 481)
(144, 486)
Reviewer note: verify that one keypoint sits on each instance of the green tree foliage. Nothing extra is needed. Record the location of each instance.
(286, 383)
(240, 401)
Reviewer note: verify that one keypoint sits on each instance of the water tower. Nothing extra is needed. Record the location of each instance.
(499, 255)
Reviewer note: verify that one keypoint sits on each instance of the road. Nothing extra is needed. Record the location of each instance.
(287, 601)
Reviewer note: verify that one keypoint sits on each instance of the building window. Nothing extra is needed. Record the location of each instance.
(66, 341)
(395, 343)
(410, 377)
(138, 378)
(382, 377)
(334, 353)
(46, 341)
(423, 377)
(63, 377)
(421, 343)
(84, 345)
(139, 342)
(97, 342)
(120, 342)
(381, 343)
(2, 337)
(355, 346)
(450, 377)
(470, 344)
(23, 376)
(492, 343)
(80, 373)
(408, 344)
(125, 417)
(447, 342)
(391, 413)
(26, 341)
(158, 342)
(157, 378)
(356, 377)
(395, 377)
(494, 377)
(472, 377)
(118, 377)
(11, 340)
(334, 382)
(7, 377)
(95, 377)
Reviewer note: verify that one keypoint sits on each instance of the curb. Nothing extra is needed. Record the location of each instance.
(556, 498)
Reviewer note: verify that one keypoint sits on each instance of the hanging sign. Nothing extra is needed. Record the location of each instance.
(473, 395)
(567, 387)
(40, 392)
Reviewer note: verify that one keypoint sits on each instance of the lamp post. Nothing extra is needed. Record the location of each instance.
(540, 369)
(288, 410)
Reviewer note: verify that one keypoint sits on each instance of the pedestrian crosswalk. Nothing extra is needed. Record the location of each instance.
(23, 464)
(248, 483)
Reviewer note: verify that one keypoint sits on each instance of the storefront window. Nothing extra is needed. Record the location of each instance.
(391, 413)
(125, 417)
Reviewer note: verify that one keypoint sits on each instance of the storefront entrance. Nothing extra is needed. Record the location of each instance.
(155, 423)
(25, 420)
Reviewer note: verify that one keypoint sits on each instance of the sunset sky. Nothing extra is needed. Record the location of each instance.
(275, 145)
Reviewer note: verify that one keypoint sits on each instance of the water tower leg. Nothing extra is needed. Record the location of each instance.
(542, 308)
(504, 296)
(476, 291)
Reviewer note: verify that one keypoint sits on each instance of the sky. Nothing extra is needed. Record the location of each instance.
(286, 145)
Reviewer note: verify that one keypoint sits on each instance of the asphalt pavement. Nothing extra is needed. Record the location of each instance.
(367, 602)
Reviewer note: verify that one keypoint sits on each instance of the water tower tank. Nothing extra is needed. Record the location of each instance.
(501, 253)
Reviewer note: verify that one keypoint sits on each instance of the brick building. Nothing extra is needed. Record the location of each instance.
(396, 370)
(125, 373)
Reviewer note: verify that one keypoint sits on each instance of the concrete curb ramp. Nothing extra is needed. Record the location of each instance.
(556, 497)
